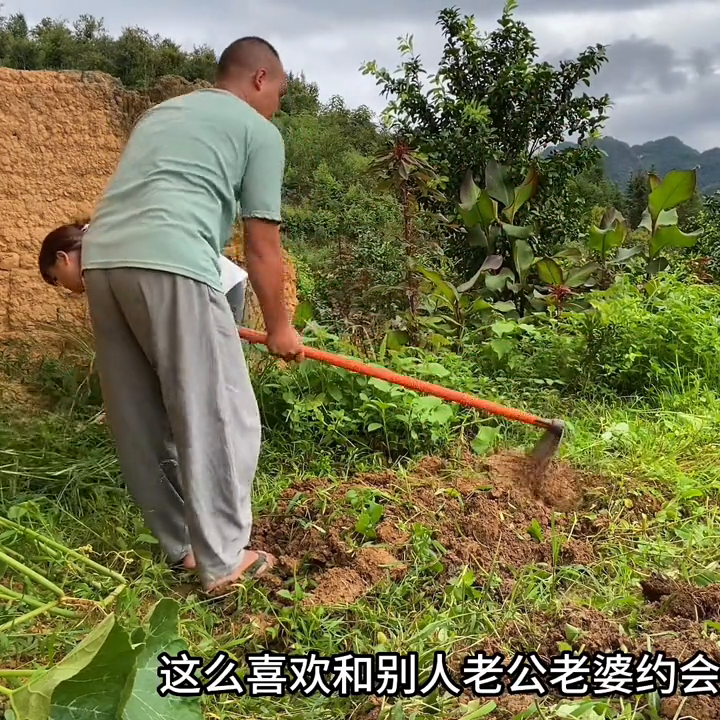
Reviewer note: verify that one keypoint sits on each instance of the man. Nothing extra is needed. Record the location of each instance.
(170, 362)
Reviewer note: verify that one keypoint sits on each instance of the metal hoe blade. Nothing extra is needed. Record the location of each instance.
(548, 444)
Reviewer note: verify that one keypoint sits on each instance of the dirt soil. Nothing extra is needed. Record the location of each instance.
(492, 515)
(682, 599)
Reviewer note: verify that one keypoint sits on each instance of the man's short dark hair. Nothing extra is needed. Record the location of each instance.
(247, 53)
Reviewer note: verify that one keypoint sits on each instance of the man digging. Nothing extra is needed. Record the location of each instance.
(171, 365)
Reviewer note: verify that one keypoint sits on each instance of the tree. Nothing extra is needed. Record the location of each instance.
(636, 197)
(490, 99)
(137, 58)
(301, 96)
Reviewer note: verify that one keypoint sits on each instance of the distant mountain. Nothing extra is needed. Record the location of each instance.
(623, 161)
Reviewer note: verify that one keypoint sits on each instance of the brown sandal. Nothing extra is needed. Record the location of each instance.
(262, 563)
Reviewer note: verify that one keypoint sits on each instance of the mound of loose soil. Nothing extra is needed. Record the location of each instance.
(493, 515)
(683, 600)
(558, 486)
(344, 586)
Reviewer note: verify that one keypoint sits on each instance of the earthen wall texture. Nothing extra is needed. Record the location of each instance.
(61, 136)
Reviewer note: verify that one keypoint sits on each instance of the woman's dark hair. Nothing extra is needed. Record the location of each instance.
(65, 239)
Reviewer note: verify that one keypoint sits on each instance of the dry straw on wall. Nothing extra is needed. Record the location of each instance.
(61, 136)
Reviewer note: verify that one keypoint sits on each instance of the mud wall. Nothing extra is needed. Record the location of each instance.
(61, 136)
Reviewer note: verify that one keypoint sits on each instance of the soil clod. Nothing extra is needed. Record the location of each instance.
(681, 599)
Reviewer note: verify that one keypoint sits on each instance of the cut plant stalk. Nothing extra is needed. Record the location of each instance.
(31, 574)
(22, 619)
(9, 594)
(63, 549)
(19, 673)
(112, 596)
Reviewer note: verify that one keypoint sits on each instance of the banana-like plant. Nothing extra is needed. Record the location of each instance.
(489, 215)
(659, 223)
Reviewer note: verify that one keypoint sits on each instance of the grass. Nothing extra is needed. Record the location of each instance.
(656, 512)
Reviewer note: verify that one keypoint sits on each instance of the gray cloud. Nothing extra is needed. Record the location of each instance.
(661, 82)
(638, 66)
(690, 114)
(231, 17)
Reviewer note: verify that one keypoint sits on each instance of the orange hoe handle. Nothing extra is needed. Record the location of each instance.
(421, 386)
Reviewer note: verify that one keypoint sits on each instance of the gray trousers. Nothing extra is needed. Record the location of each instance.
(181, 408)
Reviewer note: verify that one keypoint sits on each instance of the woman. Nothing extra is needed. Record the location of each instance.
(60, 265)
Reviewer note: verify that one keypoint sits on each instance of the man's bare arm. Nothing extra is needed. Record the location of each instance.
(265, 267)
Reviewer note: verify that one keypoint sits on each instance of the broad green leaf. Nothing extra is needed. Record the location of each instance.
(441, 415)
(523, 258)
(603, 241)
(537, 303)
(32, 701)
(469, 191)
(476, 237)
(501, 347)
(436, 369)
(102, 688)
(445, 289)
(473, 712)
(470, 215)
(495, 283)
(624, 254)
(573, 253)
(492, 262)
(487, 209)
(303, 313)
(373, 427)
(523, 193)
(397, 339)
(671, 236)
(535, 530)
(162, 636)
(504, 306)
(380, 384)
(481, 304)
(397, 712)
(550, 272)
(501, 327)
(666, 217)
(657, 265)
(517, 231)
(426, 403)
(677, 187)
(651, 287)
(497, 185)
(579, 276)
(470, 283)
(609, 217)
(572, 633)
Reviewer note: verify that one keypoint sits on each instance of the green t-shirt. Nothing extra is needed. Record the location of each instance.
(173, 200)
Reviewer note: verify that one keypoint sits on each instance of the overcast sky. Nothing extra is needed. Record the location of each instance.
(663, 75)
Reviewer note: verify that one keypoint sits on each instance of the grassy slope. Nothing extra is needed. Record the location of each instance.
(655, 510)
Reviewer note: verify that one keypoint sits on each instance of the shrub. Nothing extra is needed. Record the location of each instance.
(634, 343)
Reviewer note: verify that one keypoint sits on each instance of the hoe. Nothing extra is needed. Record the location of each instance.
(541, 454)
